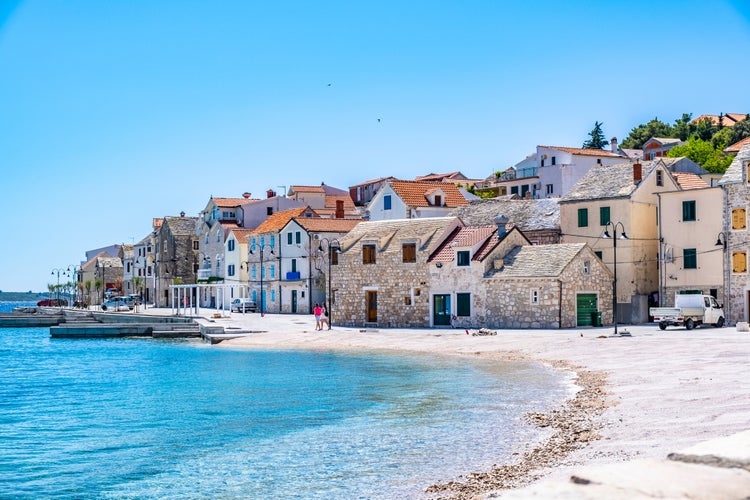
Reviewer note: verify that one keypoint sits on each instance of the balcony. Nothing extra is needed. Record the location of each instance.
(292, 276)
(204, 274)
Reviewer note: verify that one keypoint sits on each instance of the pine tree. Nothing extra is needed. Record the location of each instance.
(596, 140)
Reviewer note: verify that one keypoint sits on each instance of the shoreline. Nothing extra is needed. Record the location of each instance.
(641, 397)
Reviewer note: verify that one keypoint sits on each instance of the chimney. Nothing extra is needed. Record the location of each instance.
(613, 142)
(270, 193)
(637, 173)
(339, 209)
(501, 222)
(246, 195)
(182, 214)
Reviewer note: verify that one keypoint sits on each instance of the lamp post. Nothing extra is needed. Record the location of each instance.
(73, 271)
(261, 249)
(57, 271)
(614, 238)
(333, 246)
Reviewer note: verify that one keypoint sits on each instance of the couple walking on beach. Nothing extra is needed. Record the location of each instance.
(321, 317)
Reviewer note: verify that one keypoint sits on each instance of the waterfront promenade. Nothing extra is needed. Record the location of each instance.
(646, 396)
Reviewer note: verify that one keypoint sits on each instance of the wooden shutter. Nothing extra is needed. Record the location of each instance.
(739, 262)
(739, 219)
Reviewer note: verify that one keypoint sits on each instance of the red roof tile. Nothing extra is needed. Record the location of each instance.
(321, 225)
(735, 148)
(585, 152)
(689, 181)
(414, 193)
(462, 237)
(231, 202)
(278, 220)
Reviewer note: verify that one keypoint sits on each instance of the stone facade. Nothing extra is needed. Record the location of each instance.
(398, 291)
(737, 205)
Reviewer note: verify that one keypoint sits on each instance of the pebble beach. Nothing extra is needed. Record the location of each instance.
(640, 396)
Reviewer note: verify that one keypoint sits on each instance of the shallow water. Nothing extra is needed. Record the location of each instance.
(141, 418)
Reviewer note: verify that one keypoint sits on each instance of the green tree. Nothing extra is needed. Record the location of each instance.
(705, 129)
(741, 130)
(682, 127)
(722, 138)
(596, 139)
(703, 153)
(644, 132)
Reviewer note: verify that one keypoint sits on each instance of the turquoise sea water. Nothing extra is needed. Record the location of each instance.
(138, 418)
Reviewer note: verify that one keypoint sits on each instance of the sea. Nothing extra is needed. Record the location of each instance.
(179, 419)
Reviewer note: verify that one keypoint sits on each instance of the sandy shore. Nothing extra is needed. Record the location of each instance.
(640, 397)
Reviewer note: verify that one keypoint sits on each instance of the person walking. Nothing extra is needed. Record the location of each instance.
(324, 317)
(318, 312)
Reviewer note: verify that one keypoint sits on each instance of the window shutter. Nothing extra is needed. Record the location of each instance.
(739, 219)
(739, 262)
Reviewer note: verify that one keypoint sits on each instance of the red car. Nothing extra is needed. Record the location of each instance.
(52, 303)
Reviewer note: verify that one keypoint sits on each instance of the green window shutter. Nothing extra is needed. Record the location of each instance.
(463, 304)
(583, 217)
(688, 210)
(604, 216)
(690, 259)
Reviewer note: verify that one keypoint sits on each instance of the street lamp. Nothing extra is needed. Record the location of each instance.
(261, 249)
(57, 271)
(614, 238)
(333, 246)
(73, 271)
(721, 241)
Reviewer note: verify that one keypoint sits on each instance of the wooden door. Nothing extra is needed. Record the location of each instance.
(372, 306)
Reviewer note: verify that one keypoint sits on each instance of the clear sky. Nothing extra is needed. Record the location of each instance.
(116, 112)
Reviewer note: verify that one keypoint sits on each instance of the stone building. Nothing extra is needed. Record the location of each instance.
(539, 220)
(736, 184)
(490, 276)
(176, 256)
(382, 276)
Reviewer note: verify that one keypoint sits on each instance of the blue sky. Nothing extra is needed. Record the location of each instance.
(113, 113)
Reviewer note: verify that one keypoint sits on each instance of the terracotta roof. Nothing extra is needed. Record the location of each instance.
(231, 202)
(241, 235)
(306, 189)
(331, 200)
(425, 230)
(585, 152)
(735, 148)
(372, 181)
(321, 225)
(729, 119)
(414, 193)
(278, 220)
(689, 181)
(440, 177)
(462, 237)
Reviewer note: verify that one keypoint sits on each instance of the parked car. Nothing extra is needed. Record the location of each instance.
(52, 303)
(135, 298)
(111, 292)
(115, 304)
(243, 305)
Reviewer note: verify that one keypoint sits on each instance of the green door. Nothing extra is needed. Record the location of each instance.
(441, 310)
(585, 306)
(294, 301)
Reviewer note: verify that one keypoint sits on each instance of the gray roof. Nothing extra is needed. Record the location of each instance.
(528, 215)
(386, 231)
(538, 261)
(181, 225)
(611, 181)
(734, 171)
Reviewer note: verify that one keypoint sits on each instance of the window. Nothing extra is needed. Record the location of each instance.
(438, 200)
(586, 267)
(230, 270)
(690, 259)
(514, 190)
(598, 161)
(407, 300)
(739, 262)
(368, 254)
(604, 216)
(463, 304)
(534, 297)
(218, 237)
(297, 238)
(262, 272)
(550, 188)
(409, 252)
(462, 258)
(273, 271)
(272, 241)
(554, 160)
(262, 242)
(269, 210)
(542, 162)
(583, 217)
(739, 219)
(294, 265)
(252, 245)
(659, 178)
(195, 245)
(387, 202)
(688, 211)
(598, 254)
(289, 238)
(230, 245)
(273, 295)
(335, 257)
(253, 273)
